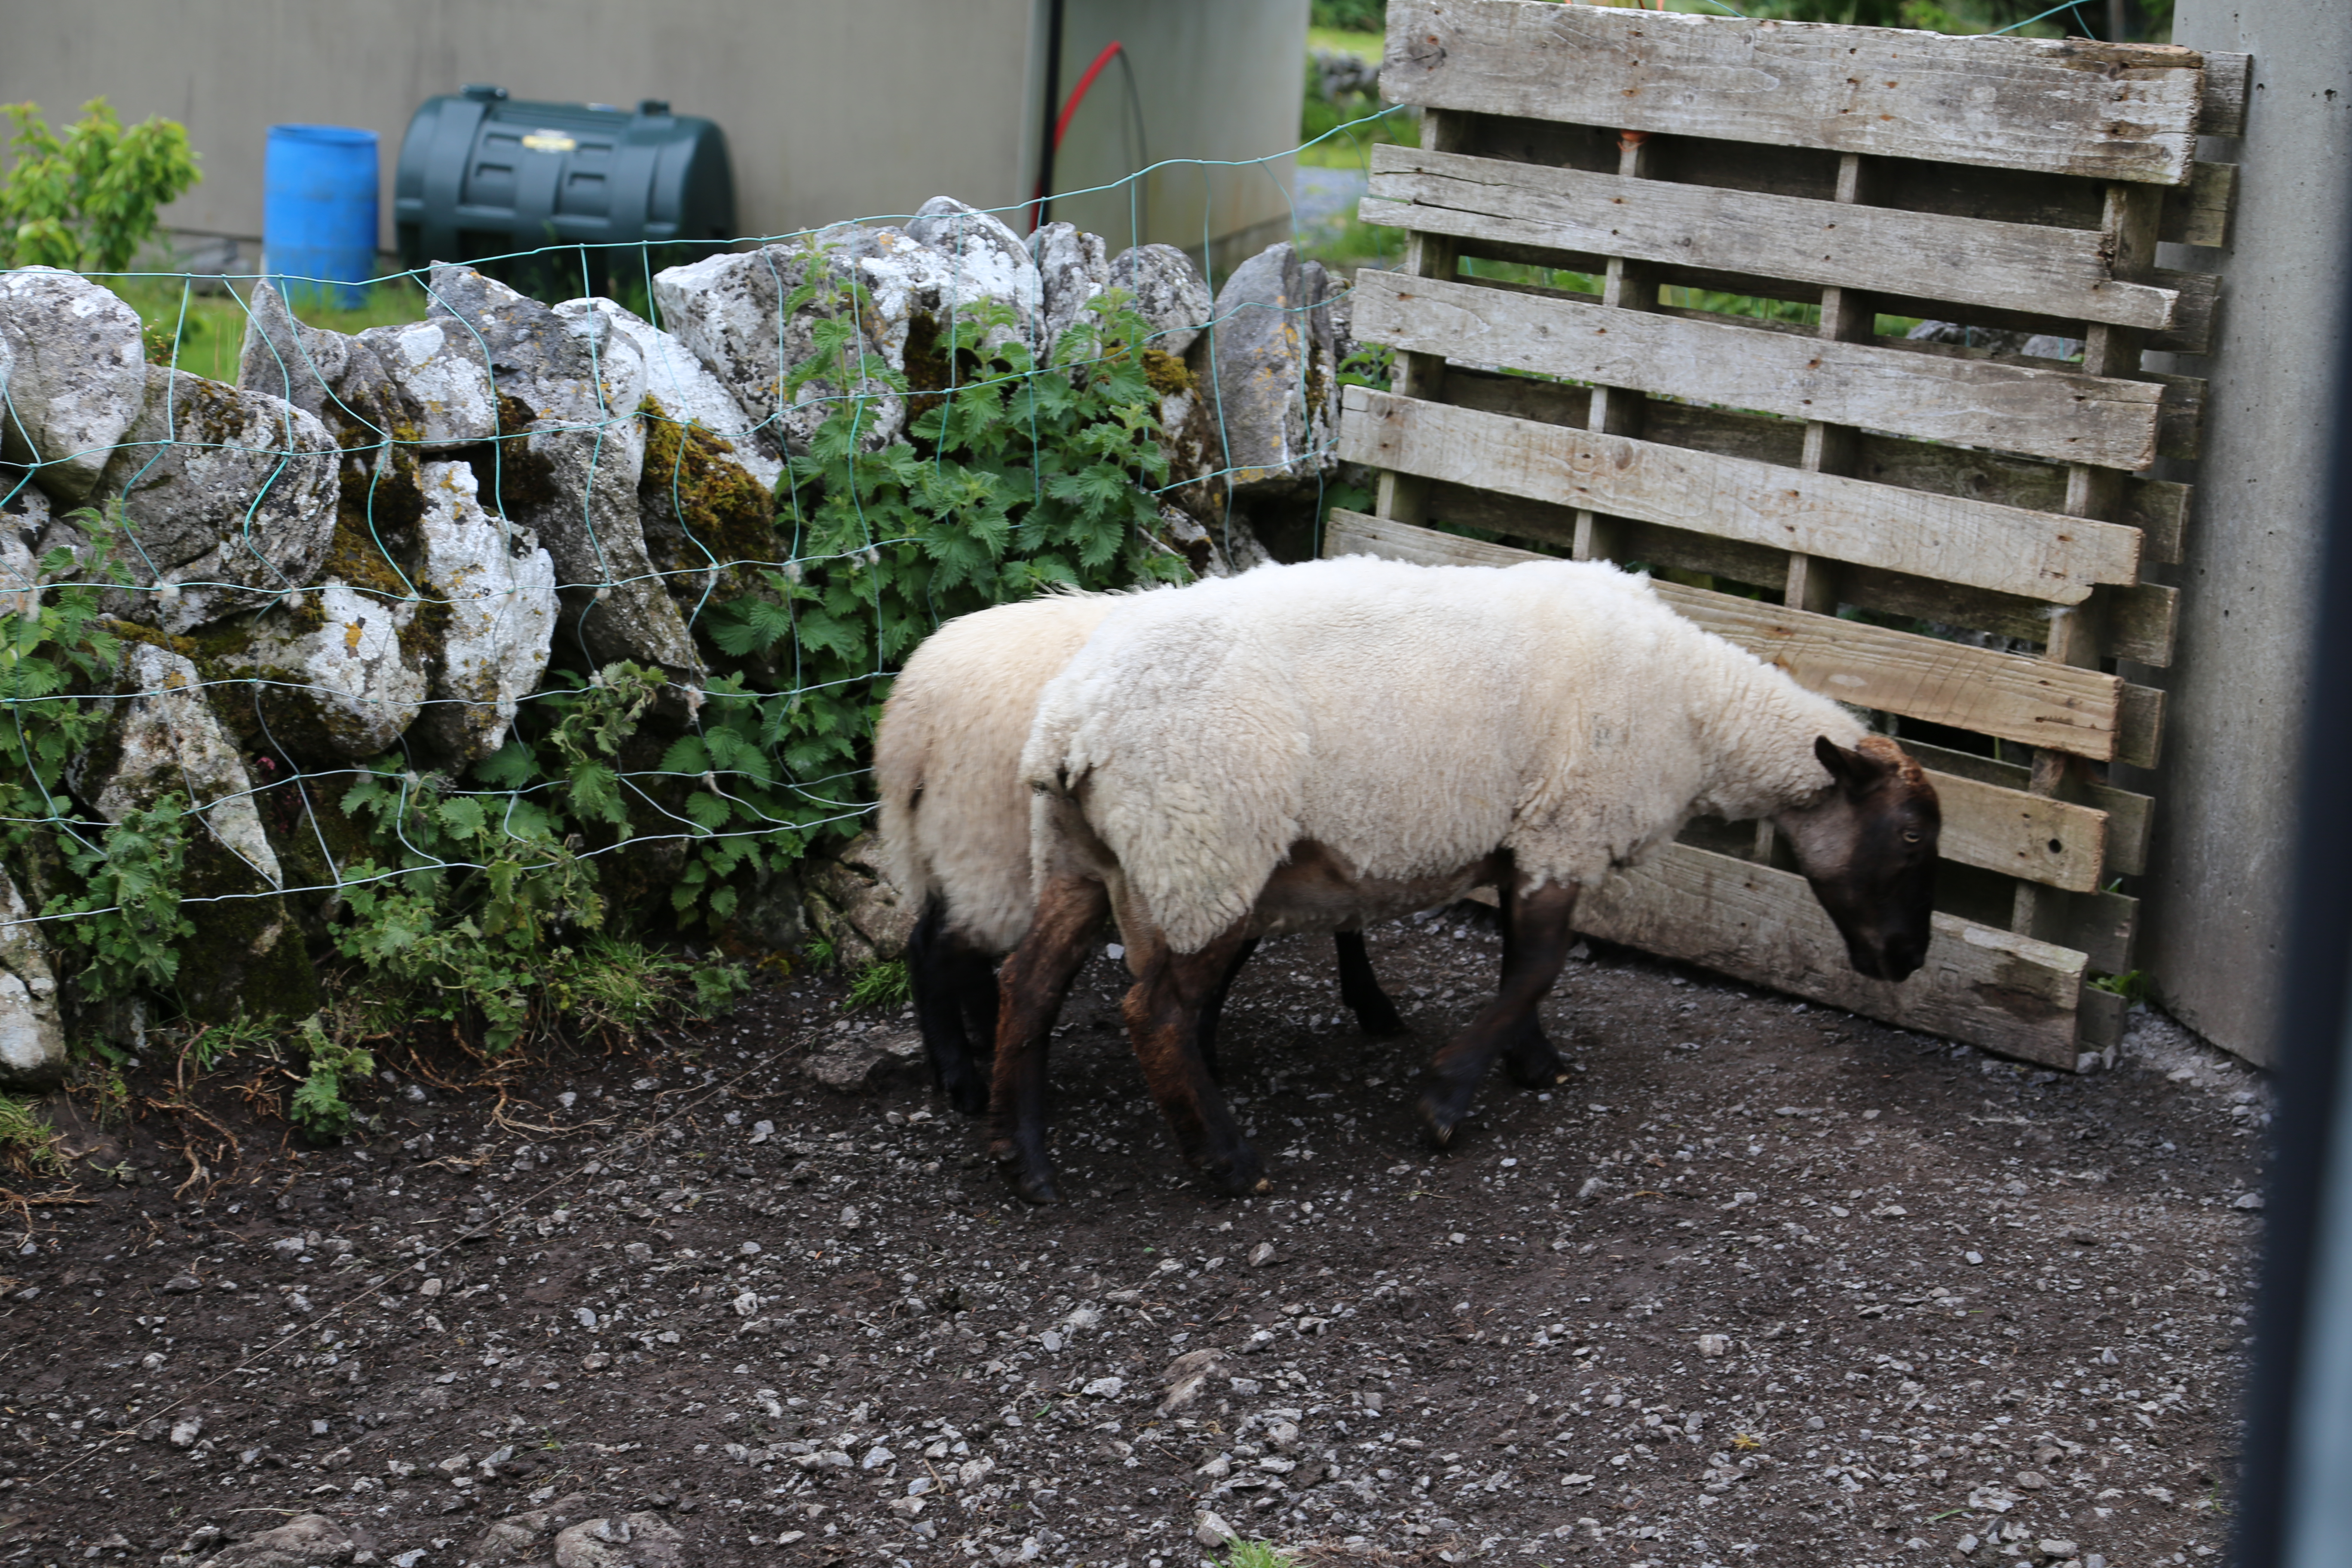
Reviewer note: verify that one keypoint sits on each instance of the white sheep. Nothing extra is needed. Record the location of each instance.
(954, 826)
(1343, 741)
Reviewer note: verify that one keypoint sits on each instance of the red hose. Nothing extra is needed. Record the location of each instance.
(1078, 93)
(1062, 126)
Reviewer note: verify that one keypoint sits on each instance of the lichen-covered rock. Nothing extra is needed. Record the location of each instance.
(335, 378)
(633, 1540)
(1074, 269)
(499, 589)
(336, 683)
(305, 1540)
(75, 375)
(989, 260)
(725, 309)
(24, 517)
(230, 497)
(1270, 360)
(32, 1034)
(853, 904)
(1168, 292)
(573, 482)
(446, 378)
(164, 739)
(689, 392)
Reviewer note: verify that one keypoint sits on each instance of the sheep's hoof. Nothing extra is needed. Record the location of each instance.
(1438, 1120)
(969, 1098)
(1378, 1019)
(1031, 1186)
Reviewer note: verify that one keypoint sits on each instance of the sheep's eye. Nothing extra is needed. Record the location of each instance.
(1910, 839)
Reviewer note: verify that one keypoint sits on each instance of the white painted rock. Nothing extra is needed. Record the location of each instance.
(230, 495)
(581, 381)
(499, 586)
(445, 377)
(1168, 292)
(76, 375)
(165, 741)
(1073, 269)
(32, 1035)
(686, 390)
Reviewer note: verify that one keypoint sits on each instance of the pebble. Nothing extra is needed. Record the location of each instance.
(1261, 1254)
(181, 1284)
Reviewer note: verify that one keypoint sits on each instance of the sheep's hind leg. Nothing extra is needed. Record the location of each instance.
(1164, 1013)
(1036, 979)
(954, 987)
(1213, 1012)
(1543, 936)
(1360, 989)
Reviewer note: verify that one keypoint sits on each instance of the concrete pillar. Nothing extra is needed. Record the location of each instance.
(2221, 864)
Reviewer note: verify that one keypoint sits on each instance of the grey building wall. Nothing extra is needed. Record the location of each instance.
(832, 111)
(2223, 850)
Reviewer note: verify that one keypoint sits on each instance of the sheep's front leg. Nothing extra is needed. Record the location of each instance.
(1527, 1057)
(1214, 1011)
(1360, 989)
(1035, 981)
(1542, 937)
(955, 1004)
(1164, 1013)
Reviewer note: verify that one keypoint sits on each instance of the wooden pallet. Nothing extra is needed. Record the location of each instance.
(1955, 538)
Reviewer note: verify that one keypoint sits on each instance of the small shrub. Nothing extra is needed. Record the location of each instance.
(318, 1107)
(882, 985)
(28, 1144)
(86, 199)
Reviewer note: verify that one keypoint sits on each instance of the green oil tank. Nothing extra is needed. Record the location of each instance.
(482, 174)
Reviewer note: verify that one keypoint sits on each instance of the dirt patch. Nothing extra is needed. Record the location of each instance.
(1763, 1283)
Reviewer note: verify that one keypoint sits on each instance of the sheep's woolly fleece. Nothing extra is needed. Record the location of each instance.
(1411, 719)
(947, 759)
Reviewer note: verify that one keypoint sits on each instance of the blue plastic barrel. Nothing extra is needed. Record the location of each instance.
(318, 213)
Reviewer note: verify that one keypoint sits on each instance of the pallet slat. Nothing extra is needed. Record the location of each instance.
(2032, 701)
(2006, 991)
(2199, 214)
(2229, 83)
(2056, 414)
(2007, 548)
(2055, 272)
(2159, 507)
(2129, 816)
(2115, 111)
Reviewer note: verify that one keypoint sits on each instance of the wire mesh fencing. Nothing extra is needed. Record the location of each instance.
(497, 626)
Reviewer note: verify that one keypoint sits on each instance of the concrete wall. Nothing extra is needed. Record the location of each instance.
(832, 111)
(2223, 852)
(1218, 80)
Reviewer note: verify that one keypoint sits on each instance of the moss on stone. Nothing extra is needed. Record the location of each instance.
(1168, 374)
(690, 475)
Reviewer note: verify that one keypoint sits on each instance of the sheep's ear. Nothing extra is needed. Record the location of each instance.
(1854, 772)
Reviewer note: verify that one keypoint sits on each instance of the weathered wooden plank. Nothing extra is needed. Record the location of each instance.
(1988, 546)
(1991, 988)
(2229, 85)
(2055, 272)
(2098, 1024)
(2034, 701)
(2180, 420)
(2197, 306)
(2199, 213)
(2052, 842)
(2128, 814)
(2139, 726)
(2042, 412)
(2102, 927)
(2159, 507)
(2115, 111)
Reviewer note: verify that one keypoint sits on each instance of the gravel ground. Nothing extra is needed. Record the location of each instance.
(1764, 1283)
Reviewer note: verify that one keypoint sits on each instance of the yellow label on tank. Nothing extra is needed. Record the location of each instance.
(549, 142)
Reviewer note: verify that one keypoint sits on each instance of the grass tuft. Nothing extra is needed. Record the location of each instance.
(882, 985)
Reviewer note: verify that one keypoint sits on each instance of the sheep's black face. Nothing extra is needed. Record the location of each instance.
(1869, 850)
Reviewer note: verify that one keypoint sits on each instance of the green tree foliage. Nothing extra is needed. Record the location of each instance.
(84, 200)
